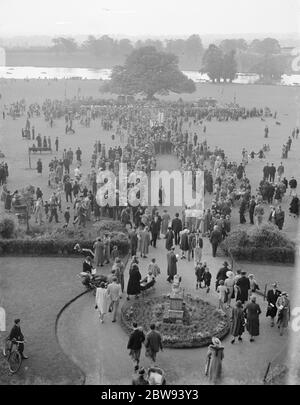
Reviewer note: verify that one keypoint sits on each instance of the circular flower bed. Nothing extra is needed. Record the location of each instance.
(201, 321)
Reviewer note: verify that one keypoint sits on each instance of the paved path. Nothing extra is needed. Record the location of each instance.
(100, 349)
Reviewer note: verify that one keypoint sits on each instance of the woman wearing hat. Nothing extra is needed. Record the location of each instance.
(215, 355)
(272, 297)
(253, 283)
(229, 283)
(243, 287)
(284, 312)
(237, 322)
(101, 301)
(223, 294)
(99, 252)
(169, 238)
(133, 286)
(252, 312)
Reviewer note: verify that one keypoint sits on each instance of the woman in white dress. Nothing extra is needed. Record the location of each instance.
(102, 301)
(229, 283)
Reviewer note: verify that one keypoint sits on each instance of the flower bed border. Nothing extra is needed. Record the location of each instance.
(188, 343)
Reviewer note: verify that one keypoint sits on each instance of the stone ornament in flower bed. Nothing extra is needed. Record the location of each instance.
(200, 322)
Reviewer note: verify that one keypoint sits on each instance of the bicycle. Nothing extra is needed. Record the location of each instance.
(14, 357)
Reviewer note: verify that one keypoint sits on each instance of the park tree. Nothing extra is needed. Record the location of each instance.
(105, 46)
(267, 46)
(212, 62)
(157, 44)
(125, 47)
(147, 71)
(193, 50)
(270, 68)
(64, 45)
(229, 45)
(229, 66)
(90, 45)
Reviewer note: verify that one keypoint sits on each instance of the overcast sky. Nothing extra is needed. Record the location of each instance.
(148, 17)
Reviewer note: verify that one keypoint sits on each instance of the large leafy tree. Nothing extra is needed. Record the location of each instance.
(213, 62)
(229, 66)
(229, 45)
(149, 72)
(271, 68)
(193, 50)
(267, 46)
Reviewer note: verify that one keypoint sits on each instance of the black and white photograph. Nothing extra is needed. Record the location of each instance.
(149, 195)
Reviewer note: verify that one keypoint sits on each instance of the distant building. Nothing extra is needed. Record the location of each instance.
(2, 57)
(287, 50)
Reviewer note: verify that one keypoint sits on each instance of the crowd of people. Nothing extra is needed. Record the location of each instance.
(140, 136)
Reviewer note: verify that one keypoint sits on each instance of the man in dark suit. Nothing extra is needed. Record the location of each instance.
(155, 229)
(272, 296)
(242, 211)
(215, 239)
(16, 334)
(243, 285)
(136, 339)
(176, 227)
(272, 172)
(266, 171)
(279, 217)
(252, 205)
(153, 343)
(221, 275)
(68, 190)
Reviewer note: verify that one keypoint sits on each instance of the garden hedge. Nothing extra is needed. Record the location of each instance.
(280, 254)
(54, 246)
(264, 243)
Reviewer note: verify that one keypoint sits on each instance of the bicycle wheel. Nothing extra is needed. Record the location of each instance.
(14, 361)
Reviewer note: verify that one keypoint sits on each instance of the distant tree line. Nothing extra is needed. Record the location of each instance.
(220, 60)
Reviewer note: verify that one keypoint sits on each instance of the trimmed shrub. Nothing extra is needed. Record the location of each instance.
(270, 236)
(8, 226)
(110, 225)
(46, 246)
(265, 243)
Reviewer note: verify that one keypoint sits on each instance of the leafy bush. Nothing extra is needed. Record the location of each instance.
(60, 245)
(265, 243)
(268, 235)
(279, 255)
(8, 226)
(110, 225)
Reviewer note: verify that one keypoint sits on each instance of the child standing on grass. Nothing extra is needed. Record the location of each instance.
(67, 217)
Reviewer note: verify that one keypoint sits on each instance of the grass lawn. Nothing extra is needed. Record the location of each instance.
(34, 290)
(270, 273)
